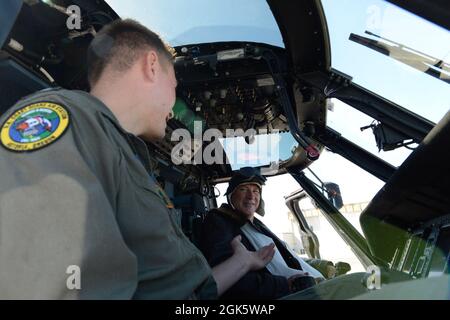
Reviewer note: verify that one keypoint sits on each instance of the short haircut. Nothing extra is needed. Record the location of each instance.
(119, 44)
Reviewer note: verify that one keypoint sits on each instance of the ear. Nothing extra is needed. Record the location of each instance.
(150, 65)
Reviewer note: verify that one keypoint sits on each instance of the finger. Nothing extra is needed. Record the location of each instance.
(268, 256)
(262, 254)
(236, 241)
(267, 251)
(271, 254)
(272, 245)
(238, 238)
(269, 247)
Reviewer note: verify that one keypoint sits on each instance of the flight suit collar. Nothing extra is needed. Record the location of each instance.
(102, 108)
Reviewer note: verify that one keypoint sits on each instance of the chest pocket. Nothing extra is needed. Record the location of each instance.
(156, 188)
(146, 186)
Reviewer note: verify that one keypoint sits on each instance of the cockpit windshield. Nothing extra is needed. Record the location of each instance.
(394, 80)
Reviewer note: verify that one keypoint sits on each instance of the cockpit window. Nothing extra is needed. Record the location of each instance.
(264, 150)
(182, 22)
(397, 81)
(349, 121)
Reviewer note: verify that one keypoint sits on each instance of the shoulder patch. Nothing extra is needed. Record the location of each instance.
(34, 126)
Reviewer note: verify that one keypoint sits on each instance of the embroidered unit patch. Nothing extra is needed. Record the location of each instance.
(34, 126)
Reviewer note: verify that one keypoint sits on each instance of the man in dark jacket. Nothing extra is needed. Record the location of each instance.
(238, 218)
(287, 273)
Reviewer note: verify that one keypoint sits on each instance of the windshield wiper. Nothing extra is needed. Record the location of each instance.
(411, 57)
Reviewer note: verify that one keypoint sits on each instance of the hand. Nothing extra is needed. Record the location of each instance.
(292, 278)
(295, 284)
(299, 274)
(255, 259)
(306, 274)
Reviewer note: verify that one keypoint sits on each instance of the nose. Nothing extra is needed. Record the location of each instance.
(250, 195)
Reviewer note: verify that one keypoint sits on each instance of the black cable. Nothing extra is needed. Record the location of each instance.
(311, 151)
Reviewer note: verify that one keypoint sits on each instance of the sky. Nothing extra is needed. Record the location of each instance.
(185, 22)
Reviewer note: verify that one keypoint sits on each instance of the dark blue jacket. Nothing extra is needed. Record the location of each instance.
(219, 228)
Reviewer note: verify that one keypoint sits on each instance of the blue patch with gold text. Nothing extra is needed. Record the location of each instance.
(34, 126)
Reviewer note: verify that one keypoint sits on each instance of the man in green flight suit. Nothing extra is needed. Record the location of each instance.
(80, 215)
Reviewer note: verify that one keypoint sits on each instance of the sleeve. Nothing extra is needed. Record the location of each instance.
(58, 235)
(215, 244)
